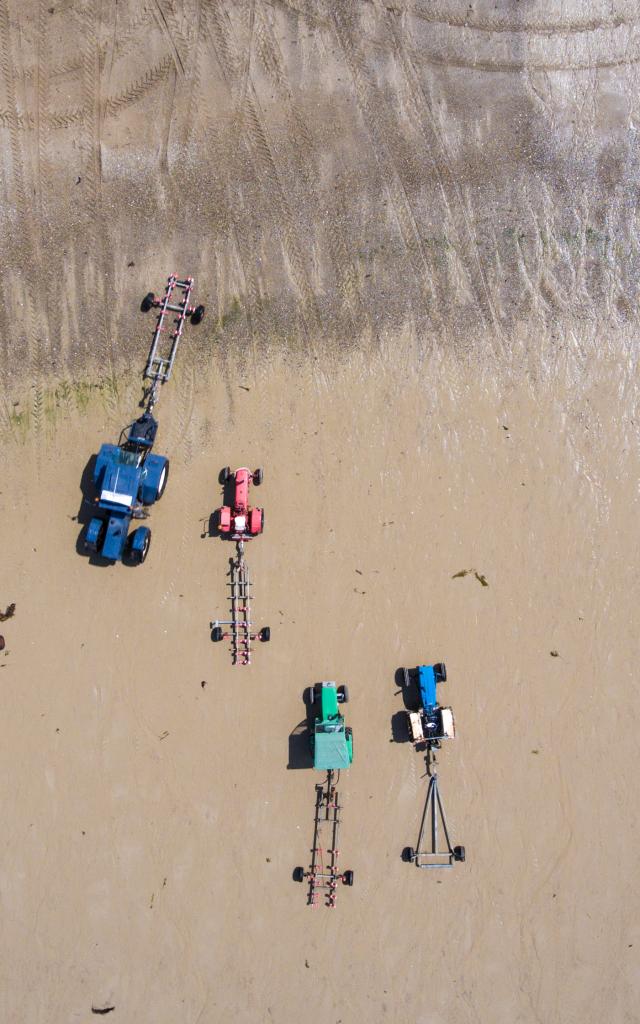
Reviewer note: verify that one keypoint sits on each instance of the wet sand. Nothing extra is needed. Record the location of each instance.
(472, 405)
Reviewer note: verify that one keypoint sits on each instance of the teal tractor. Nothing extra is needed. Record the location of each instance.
(331, 741)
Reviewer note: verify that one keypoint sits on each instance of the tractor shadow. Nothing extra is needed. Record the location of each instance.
(86, 512)
(411, 702)
(212, 528)
(299, 747)
(299, 750)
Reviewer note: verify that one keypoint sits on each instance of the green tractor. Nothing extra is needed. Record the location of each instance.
(331, 741)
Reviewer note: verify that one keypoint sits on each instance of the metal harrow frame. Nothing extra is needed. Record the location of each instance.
(323, 878)
(159, 367)
(240, 634)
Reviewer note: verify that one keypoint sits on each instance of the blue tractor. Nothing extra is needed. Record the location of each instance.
(128, 477)
(428, 722)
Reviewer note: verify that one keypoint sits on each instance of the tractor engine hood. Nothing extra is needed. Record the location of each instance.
(119, 486)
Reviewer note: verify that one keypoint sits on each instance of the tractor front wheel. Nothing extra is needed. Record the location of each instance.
(224, 475)
(440, 672)
(343, 694)
(258, 477)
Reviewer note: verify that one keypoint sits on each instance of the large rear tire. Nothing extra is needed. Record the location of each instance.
(164, 476)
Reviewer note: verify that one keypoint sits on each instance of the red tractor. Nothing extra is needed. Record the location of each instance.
(240, 521)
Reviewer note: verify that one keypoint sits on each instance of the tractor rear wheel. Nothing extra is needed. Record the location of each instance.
(343, 694)
(347, 877)
(258, 477)
(197, 315)
(458, 853)
(147, 302)
(216, 634)
(298, 874)
(408, 854)
(440, 671)
(164, 476)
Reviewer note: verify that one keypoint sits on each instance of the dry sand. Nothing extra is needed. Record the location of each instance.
(415, 232)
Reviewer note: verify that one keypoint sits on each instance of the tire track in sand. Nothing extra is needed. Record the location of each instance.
(26, 251)
(371, 107)
(251, 129)
(99, 282)
(436, 152)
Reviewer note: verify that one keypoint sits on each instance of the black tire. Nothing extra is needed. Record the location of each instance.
(265, 634)
(343, 694)
(163, 481)
(408, 854)
(349, 734)
(406, 679)
(298, 874)
(440, 671)
(216, 634)
(224, 475)
(347, 877)
(258, 477)
(312, 694)
(138, 557)
(197, 315)
(147, 302)
(459, 853)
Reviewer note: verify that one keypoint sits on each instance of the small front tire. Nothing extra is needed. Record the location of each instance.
(258, 477)
(224, 475)
(440, 672)
(343, 694)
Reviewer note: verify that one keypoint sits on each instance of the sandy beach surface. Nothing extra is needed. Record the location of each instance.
(414, 227)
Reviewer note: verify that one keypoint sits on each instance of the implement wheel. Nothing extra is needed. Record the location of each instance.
(265, 634)
(298, 874)
(408, 854)
(458, 853)
(216, 634)
(197, 315)
(147, 302)
(347, 877)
